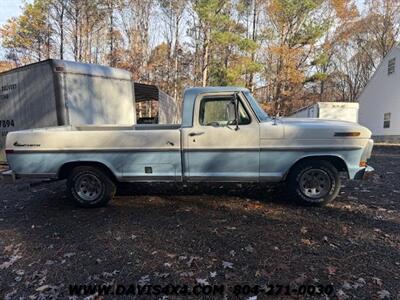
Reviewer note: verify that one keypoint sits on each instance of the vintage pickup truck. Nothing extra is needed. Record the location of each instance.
(224, 136)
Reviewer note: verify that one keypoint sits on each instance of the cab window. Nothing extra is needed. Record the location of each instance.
(213, 112)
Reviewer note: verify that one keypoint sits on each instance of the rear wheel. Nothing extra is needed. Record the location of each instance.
(90, 187)
(314, 182)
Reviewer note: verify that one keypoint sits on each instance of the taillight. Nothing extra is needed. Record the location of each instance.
(363, 164)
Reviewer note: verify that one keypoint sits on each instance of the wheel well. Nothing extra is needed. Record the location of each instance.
(68, 167)
(336, 161)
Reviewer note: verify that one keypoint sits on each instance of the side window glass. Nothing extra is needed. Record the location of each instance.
(213, 112)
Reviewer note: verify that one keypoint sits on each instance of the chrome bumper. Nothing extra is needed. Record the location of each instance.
(364, 173)
(7, 176)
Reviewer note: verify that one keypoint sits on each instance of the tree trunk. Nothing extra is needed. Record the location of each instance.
(76, 35)
(111, 33)
(253, 55)
(206, 49)
(61, 50)
(176, 46)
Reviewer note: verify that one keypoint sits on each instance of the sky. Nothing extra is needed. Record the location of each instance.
(9, 8)
(13, 8)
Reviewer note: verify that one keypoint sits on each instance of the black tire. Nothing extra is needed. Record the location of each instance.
(313, 183)
(96, 191)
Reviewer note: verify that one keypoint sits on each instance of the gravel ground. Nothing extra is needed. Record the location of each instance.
(239, 234)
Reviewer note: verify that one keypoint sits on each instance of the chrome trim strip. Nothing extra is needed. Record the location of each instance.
(279, 148)
(310, 148)
(18, 151)
(221, 150)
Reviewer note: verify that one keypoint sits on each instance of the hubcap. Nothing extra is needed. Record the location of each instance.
(88, 187)
(315, 183)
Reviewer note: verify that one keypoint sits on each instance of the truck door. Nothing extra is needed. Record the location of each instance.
(215, 150)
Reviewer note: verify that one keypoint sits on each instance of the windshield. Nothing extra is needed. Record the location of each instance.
(261, 114)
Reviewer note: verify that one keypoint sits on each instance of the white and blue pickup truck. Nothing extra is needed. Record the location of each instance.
(224, 136)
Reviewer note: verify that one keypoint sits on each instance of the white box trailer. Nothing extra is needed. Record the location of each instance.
(346, 111)
(57, 92)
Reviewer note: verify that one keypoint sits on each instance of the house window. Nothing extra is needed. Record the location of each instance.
(386, 120)
(391, 65)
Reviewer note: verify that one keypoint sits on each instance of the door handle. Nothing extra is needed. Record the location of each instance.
(196, 133)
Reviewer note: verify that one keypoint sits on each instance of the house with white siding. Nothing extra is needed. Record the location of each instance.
(380, 100)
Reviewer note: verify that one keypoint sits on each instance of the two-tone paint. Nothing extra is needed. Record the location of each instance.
(263, 150)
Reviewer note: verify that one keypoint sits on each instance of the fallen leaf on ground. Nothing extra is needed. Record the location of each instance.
(384, 294)
(69, 254)
(192, 258)
(43, 288)
(377, 281)
(346, 285)
(306, 242)
(360, 282)
(227, 264)
(341, 295)
(202, 281)
(144, 280)
(249, 248)
(332, 270)
(186, 274)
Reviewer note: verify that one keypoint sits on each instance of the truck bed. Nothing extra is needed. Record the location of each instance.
(131, 152)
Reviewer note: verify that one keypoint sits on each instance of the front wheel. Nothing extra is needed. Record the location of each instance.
(314, 182)
(90, 187)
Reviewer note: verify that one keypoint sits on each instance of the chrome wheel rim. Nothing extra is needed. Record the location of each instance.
(88, 187)
(315, 183)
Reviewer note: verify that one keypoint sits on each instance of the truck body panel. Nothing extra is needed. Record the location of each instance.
(201, 149)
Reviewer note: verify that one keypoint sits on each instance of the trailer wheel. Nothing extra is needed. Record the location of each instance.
(314, 182)
(90, 187)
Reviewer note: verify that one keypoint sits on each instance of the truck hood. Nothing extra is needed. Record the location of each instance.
(310, 128)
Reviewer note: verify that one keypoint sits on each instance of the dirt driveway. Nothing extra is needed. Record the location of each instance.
(233, 236)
